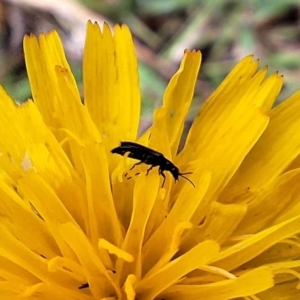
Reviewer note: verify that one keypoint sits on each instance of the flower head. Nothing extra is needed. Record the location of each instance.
(78, 222)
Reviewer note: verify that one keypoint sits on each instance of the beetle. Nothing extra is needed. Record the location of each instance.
(150, 157)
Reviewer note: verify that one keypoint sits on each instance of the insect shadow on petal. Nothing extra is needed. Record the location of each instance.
(150, 157)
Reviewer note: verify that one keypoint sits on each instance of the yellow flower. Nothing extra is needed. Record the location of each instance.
(74, 227)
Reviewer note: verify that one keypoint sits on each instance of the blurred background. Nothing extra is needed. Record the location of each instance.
(225, 31)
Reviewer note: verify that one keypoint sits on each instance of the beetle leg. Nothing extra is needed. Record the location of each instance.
(140, 162)
(149, 170)
(164, 176)
(83, 286)
(126, 176)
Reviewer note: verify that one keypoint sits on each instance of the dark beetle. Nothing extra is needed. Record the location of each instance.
(150, 157)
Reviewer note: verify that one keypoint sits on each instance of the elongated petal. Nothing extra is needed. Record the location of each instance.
(253, 282)
(284, 136)
(211, 144)
(111, 83)
(178, 96)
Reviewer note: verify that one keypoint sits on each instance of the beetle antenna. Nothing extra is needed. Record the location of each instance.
(182, 175)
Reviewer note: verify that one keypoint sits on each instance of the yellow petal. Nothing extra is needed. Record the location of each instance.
(144, 199)
(288, 290)
(111, 83)
(227, 115)
(282, 198)
(182, 211)
(41, 64)
(98, 277)
(200, 255)
(249, 248)
(95, 165)
(222, 220)
(248, 284)
(266, 161)
(178, 96)
(115, 250)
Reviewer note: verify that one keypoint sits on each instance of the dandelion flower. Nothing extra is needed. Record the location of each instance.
(74, 227)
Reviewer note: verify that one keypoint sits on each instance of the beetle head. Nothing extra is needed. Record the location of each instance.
(175, 172)
(182, 175)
